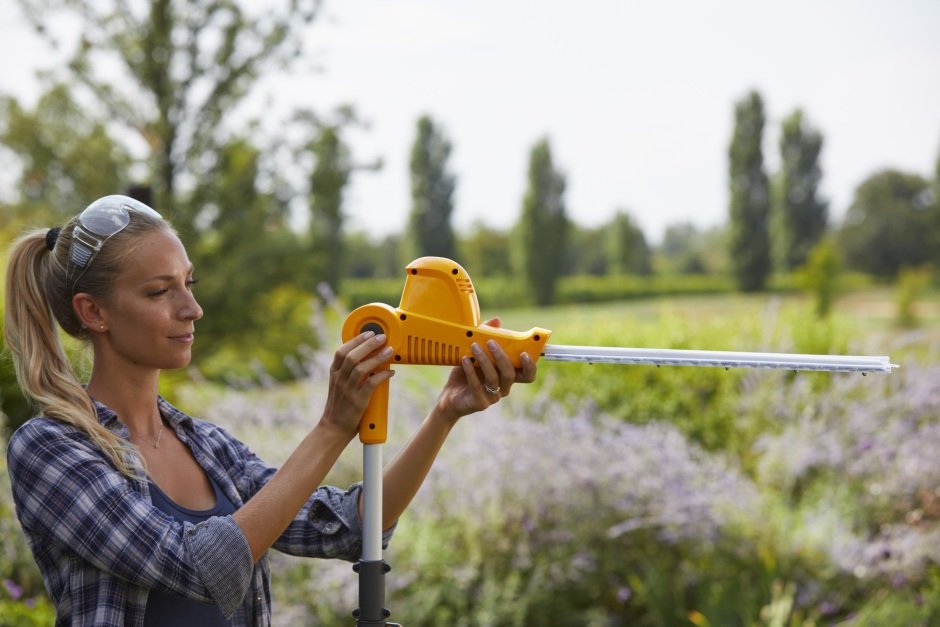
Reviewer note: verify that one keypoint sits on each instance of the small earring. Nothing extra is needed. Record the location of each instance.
(101, 327)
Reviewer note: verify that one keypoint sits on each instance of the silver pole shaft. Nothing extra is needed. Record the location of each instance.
(372, 502)
(718, 359)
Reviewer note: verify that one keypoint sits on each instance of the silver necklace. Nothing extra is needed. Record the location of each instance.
(156, 444)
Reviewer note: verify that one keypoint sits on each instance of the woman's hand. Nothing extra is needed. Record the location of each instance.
(359, 366)
(471, 388)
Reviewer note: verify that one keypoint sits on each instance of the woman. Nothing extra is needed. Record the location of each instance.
(139, 514)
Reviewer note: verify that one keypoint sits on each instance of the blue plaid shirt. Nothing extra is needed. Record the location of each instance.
(101, 545)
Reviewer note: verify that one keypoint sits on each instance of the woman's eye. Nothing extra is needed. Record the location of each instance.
(157, 292)
(192, 282)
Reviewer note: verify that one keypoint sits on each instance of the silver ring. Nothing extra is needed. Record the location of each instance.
(486, 386)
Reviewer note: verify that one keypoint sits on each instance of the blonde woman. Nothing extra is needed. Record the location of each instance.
(138, 514)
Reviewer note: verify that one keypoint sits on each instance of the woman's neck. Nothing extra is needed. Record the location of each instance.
(133, 399)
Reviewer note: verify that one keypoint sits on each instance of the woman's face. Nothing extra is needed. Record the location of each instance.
(151, 313)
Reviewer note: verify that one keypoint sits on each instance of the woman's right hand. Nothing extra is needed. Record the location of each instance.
(354, 374)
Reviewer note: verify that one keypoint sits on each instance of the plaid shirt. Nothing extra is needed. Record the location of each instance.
(101, 545)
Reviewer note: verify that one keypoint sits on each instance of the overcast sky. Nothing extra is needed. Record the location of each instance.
(636, 98)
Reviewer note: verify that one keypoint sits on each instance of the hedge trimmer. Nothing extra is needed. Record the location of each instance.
(436, 323)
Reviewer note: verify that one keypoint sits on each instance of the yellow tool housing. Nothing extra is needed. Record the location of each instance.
(435, 324)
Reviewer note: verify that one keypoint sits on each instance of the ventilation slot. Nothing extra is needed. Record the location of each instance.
(424, 351)
(465, 285)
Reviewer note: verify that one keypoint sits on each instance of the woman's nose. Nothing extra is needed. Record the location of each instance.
(191, 309)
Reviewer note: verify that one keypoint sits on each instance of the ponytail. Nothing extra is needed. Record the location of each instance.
(37, 298)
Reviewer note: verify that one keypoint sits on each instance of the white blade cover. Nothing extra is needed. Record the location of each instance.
(717, 359)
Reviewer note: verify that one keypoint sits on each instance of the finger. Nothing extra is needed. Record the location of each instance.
(367, 347)
(473, 377)
(377, 361)
(527, 373)
(361, 352)
(491, 379)
(507, 372)
(343, 351)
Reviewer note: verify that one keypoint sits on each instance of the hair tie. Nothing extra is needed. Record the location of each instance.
(51, 236)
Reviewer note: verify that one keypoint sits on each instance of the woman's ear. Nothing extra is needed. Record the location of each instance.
(88, 311)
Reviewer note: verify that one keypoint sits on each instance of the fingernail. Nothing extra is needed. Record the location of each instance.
(388, 351)
(368, 334)
(476, 348)
(492, 344)
(380, 338)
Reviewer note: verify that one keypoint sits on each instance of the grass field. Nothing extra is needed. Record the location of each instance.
(643, 496)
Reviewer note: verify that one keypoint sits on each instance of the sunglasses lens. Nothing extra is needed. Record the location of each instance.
(104, 220)
(106, 216)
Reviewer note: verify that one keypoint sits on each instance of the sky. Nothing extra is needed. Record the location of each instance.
(636, 98)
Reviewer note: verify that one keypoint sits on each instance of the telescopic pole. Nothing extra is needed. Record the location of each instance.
(371, 567)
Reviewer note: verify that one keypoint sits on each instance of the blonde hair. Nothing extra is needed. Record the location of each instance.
(38, 297)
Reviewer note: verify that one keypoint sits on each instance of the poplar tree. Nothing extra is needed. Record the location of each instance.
(327, 186)
(432, 189)
(802, 215)
(749, 197)
(543, 226)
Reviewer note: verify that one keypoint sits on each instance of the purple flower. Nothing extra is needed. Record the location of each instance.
(13, 590)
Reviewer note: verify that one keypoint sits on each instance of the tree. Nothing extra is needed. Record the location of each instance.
(172, 71)
(543, 226)
(889, 224)
(586, 252)
(327, 185)
(627, 250)
(484, 251)
(749, 197)
(802, 214)
(66, 157)
(432, 189)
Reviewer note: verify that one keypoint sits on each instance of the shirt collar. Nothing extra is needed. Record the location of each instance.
(176, 418)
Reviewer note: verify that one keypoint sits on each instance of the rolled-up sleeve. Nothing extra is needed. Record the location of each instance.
(328, 525)
(68, 494)
(222, 557)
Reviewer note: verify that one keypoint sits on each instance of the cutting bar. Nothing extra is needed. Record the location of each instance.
(717, 359)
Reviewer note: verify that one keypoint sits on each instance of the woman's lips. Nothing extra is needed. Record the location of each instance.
(186, 338)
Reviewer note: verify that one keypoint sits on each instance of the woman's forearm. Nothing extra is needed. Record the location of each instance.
(407, 471)
(269, 512)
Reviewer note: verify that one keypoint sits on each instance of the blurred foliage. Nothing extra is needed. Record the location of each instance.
(185, 66)
(911, 285)
(635, 495)
(799, 212)
(543, 229)
(65, 157)
(626, 246)
(820, 275)
(20, 579)
(484, 252)
(686, 249)
(430, 231)
(890, 224)
(327, 186)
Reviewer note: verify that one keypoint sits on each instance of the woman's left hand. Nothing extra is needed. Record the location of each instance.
(474, 387)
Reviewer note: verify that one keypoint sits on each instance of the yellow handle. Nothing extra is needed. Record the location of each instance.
(373, 429)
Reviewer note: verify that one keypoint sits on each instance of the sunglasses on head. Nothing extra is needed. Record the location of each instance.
(99, 222)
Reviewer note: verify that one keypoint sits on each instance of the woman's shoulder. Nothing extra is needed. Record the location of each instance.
(40, 428)
(45, 440)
